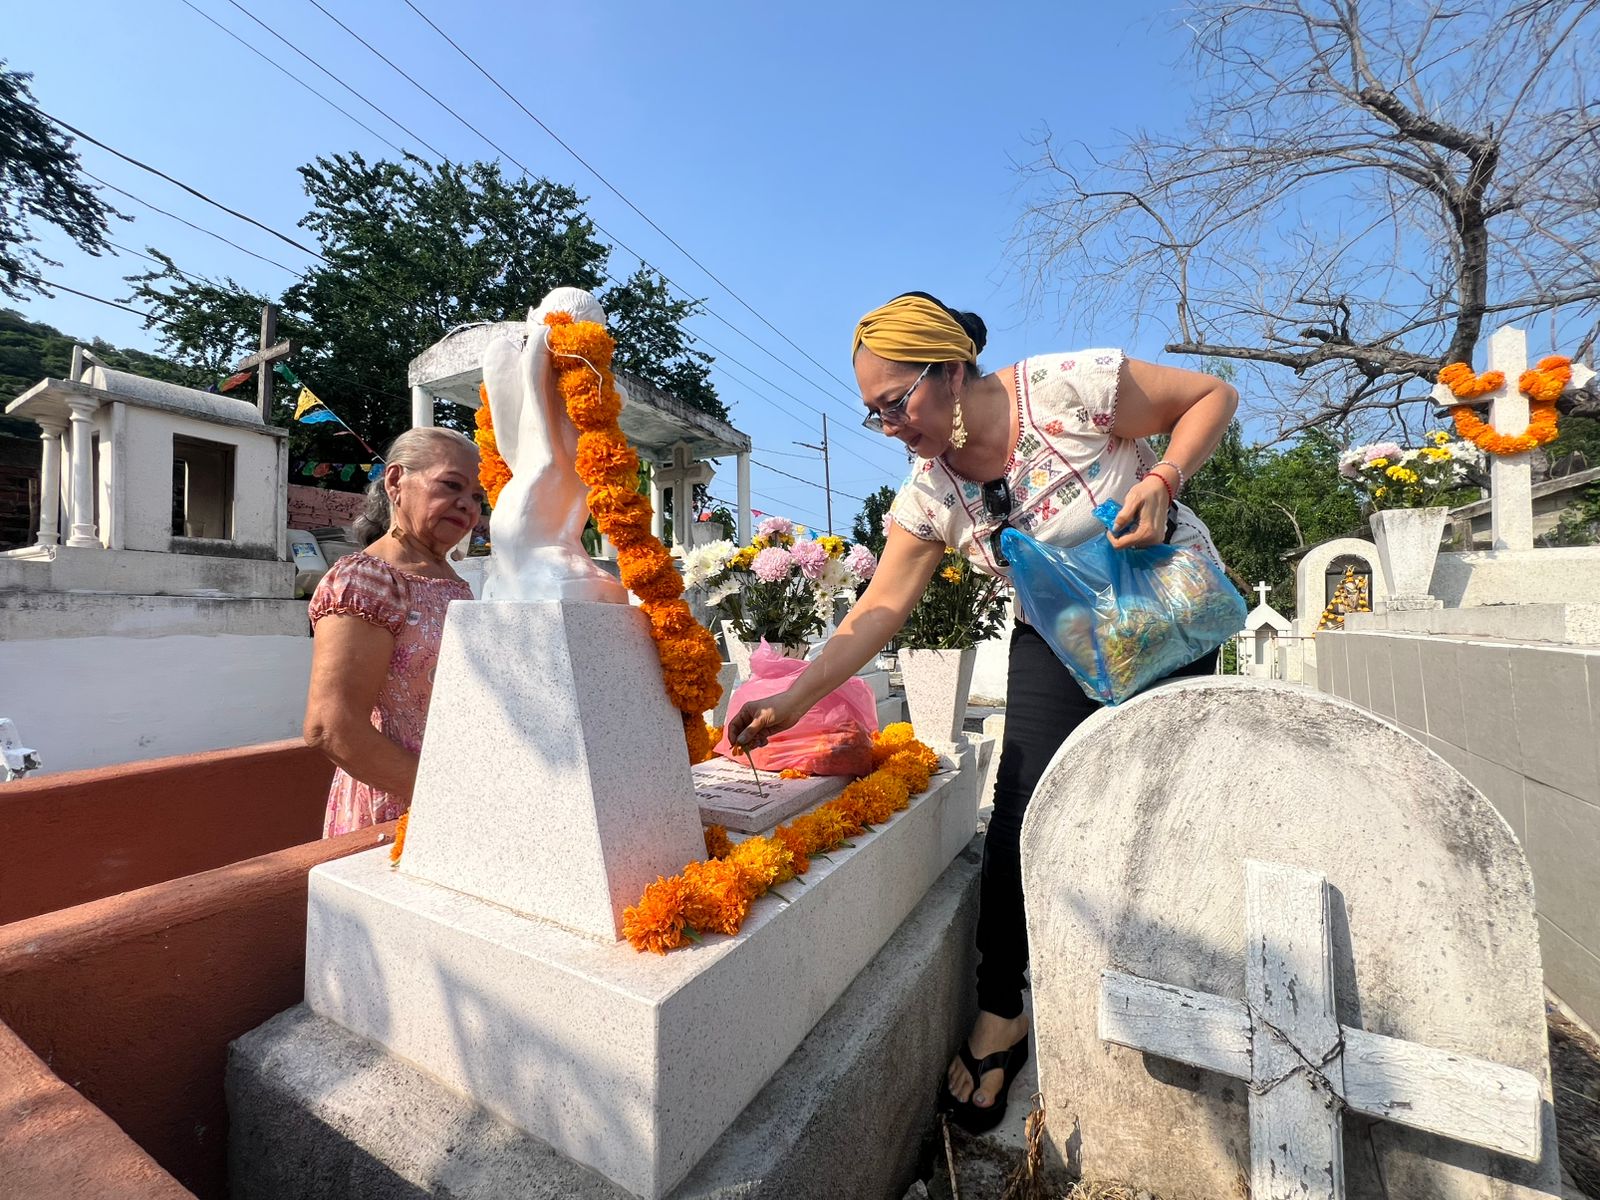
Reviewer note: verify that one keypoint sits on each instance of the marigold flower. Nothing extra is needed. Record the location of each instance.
(766, 861)
(657, 922)
(399, 837)
(795, 843)
(793, 773)
(717, 843)
(719, 896)
(604, 459)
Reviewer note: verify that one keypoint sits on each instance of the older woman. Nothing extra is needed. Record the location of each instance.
(377, 617)
(1035, 445)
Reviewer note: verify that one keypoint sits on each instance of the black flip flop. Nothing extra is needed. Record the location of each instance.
(976, 1118)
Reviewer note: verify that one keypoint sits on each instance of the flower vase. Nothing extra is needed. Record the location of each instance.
(1408, 546)
(937, 683)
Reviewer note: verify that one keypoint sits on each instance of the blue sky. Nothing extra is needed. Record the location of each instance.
(817, 158)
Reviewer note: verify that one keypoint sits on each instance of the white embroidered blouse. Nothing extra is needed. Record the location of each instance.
(1065, 462)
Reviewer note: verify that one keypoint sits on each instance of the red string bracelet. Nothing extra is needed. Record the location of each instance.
(1172, 496)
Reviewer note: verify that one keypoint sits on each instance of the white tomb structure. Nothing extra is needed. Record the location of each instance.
(155, 613)
(553, 787)
(1256, 645)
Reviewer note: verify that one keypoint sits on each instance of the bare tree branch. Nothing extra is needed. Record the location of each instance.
(1361, 188)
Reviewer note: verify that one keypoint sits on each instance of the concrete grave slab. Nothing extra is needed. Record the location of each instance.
(1133, 861)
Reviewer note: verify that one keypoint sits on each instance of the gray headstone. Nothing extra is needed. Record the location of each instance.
(1133, 857)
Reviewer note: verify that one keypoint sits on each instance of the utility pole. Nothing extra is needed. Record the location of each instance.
(827, 483)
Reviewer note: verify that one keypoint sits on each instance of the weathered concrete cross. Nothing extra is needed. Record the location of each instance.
(263, 359)
(1510, 476)
(1303, 1067)
(679, 476)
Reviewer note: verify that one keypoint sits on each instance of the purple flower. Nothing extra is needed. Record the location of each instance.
(861, 562)
(811, 558)
(775, 527)
(772, 564)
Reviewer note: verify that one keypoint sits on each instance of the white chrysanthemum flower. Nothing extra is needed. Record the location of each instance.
(701, 563)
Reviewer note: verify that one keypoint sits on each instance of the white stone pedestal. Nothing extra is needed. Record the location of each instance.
(632, 1064)
(554, 779)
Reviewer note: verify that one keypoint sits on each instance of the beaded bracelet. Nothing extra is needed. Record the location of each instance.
(1169, 463)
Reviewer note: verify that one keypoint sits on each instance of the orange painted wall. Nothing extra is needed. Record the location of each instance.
(133, 999)
(77, 836)
(53, 1142)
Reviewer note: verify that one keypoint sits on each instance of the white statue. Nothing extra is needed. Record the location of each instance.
(537, 526)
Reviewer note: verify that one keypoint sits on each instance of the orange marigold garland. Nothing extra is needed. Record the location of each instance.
(399, 837)
(1542, 385)
(715, 896)
(492, 470)
(690, 660)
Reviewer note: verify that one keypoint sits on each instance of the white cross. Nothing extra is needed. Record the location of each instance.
(1261, 589)
(680, 474)
(1303, 1067)
(1510, 476)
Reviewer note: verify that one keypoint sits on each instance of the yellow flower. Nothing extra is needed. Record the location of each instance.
(1402, 475)
(742, 559)
(1436, 454)
(1439, 437)
(833, 544)
(1380, 493)
(1378, 463)
(757, 545)
(952, 574)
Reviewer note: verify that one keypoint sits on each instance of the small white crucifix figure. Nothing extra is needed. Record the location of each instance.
(1302, 1066)
(679, 475)
(1261, 589)
(1510, 475)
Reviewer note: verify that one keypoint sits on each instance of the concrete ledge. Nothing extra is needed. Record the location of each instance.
(317, 1113)
(1564, 624)
(142, 573)
(38, 615)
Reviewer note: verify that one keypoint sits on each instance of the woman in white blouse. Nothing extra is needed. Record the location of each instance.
(1035, 445)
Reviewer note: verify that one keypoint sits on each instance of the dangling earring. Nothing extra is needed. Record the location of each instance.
(958, 428)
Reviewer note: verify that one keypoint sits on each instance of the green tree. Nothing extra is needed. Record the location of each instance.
(39, 179)
(407, 252)
(1261, 504)
(868, 525)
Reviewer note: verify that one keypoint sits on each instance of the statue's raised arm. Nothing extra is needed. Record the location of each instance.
(537, 526)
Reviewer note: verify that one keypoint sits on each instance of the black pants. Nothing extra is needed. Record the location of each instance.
(1043, 705)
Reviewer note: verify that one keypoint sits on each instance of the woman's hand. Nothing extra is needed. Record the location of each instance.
(1143, 519)
(758, 720)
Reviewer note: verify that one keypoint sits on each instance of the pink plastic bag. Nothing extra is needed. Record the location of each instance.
(834, 738)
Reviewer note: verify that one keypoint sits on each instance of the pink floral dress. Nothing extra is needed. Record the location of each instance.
(412, 608)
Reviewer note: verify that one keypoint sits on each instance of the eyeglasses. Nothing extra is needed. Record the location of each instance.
(997, 504)
(896, 411)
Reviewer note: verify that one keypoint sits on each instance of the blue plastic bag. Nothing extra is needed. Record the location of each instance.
(1122, 619)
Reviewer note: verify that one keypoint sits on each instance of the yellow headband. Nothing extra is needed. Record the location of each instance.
(912, 329)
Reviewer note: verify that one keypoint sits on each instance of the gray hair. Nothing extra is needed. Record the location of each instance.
(415, 450)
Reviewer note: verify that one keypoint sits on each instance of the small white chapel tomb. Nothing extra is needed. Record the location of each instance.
(1257, 643)
(1295, 948)
(155, 613)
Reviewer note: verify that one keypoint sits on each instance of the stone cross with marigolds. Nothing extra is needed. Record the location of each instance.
(1510, 475)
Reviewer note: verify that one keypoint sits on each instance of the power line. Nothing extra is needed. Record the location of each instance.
(797, 479)
(285, 71)
(197, 228)
(196, 192)
(410, 133)
(511, 158)
(616, 192)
